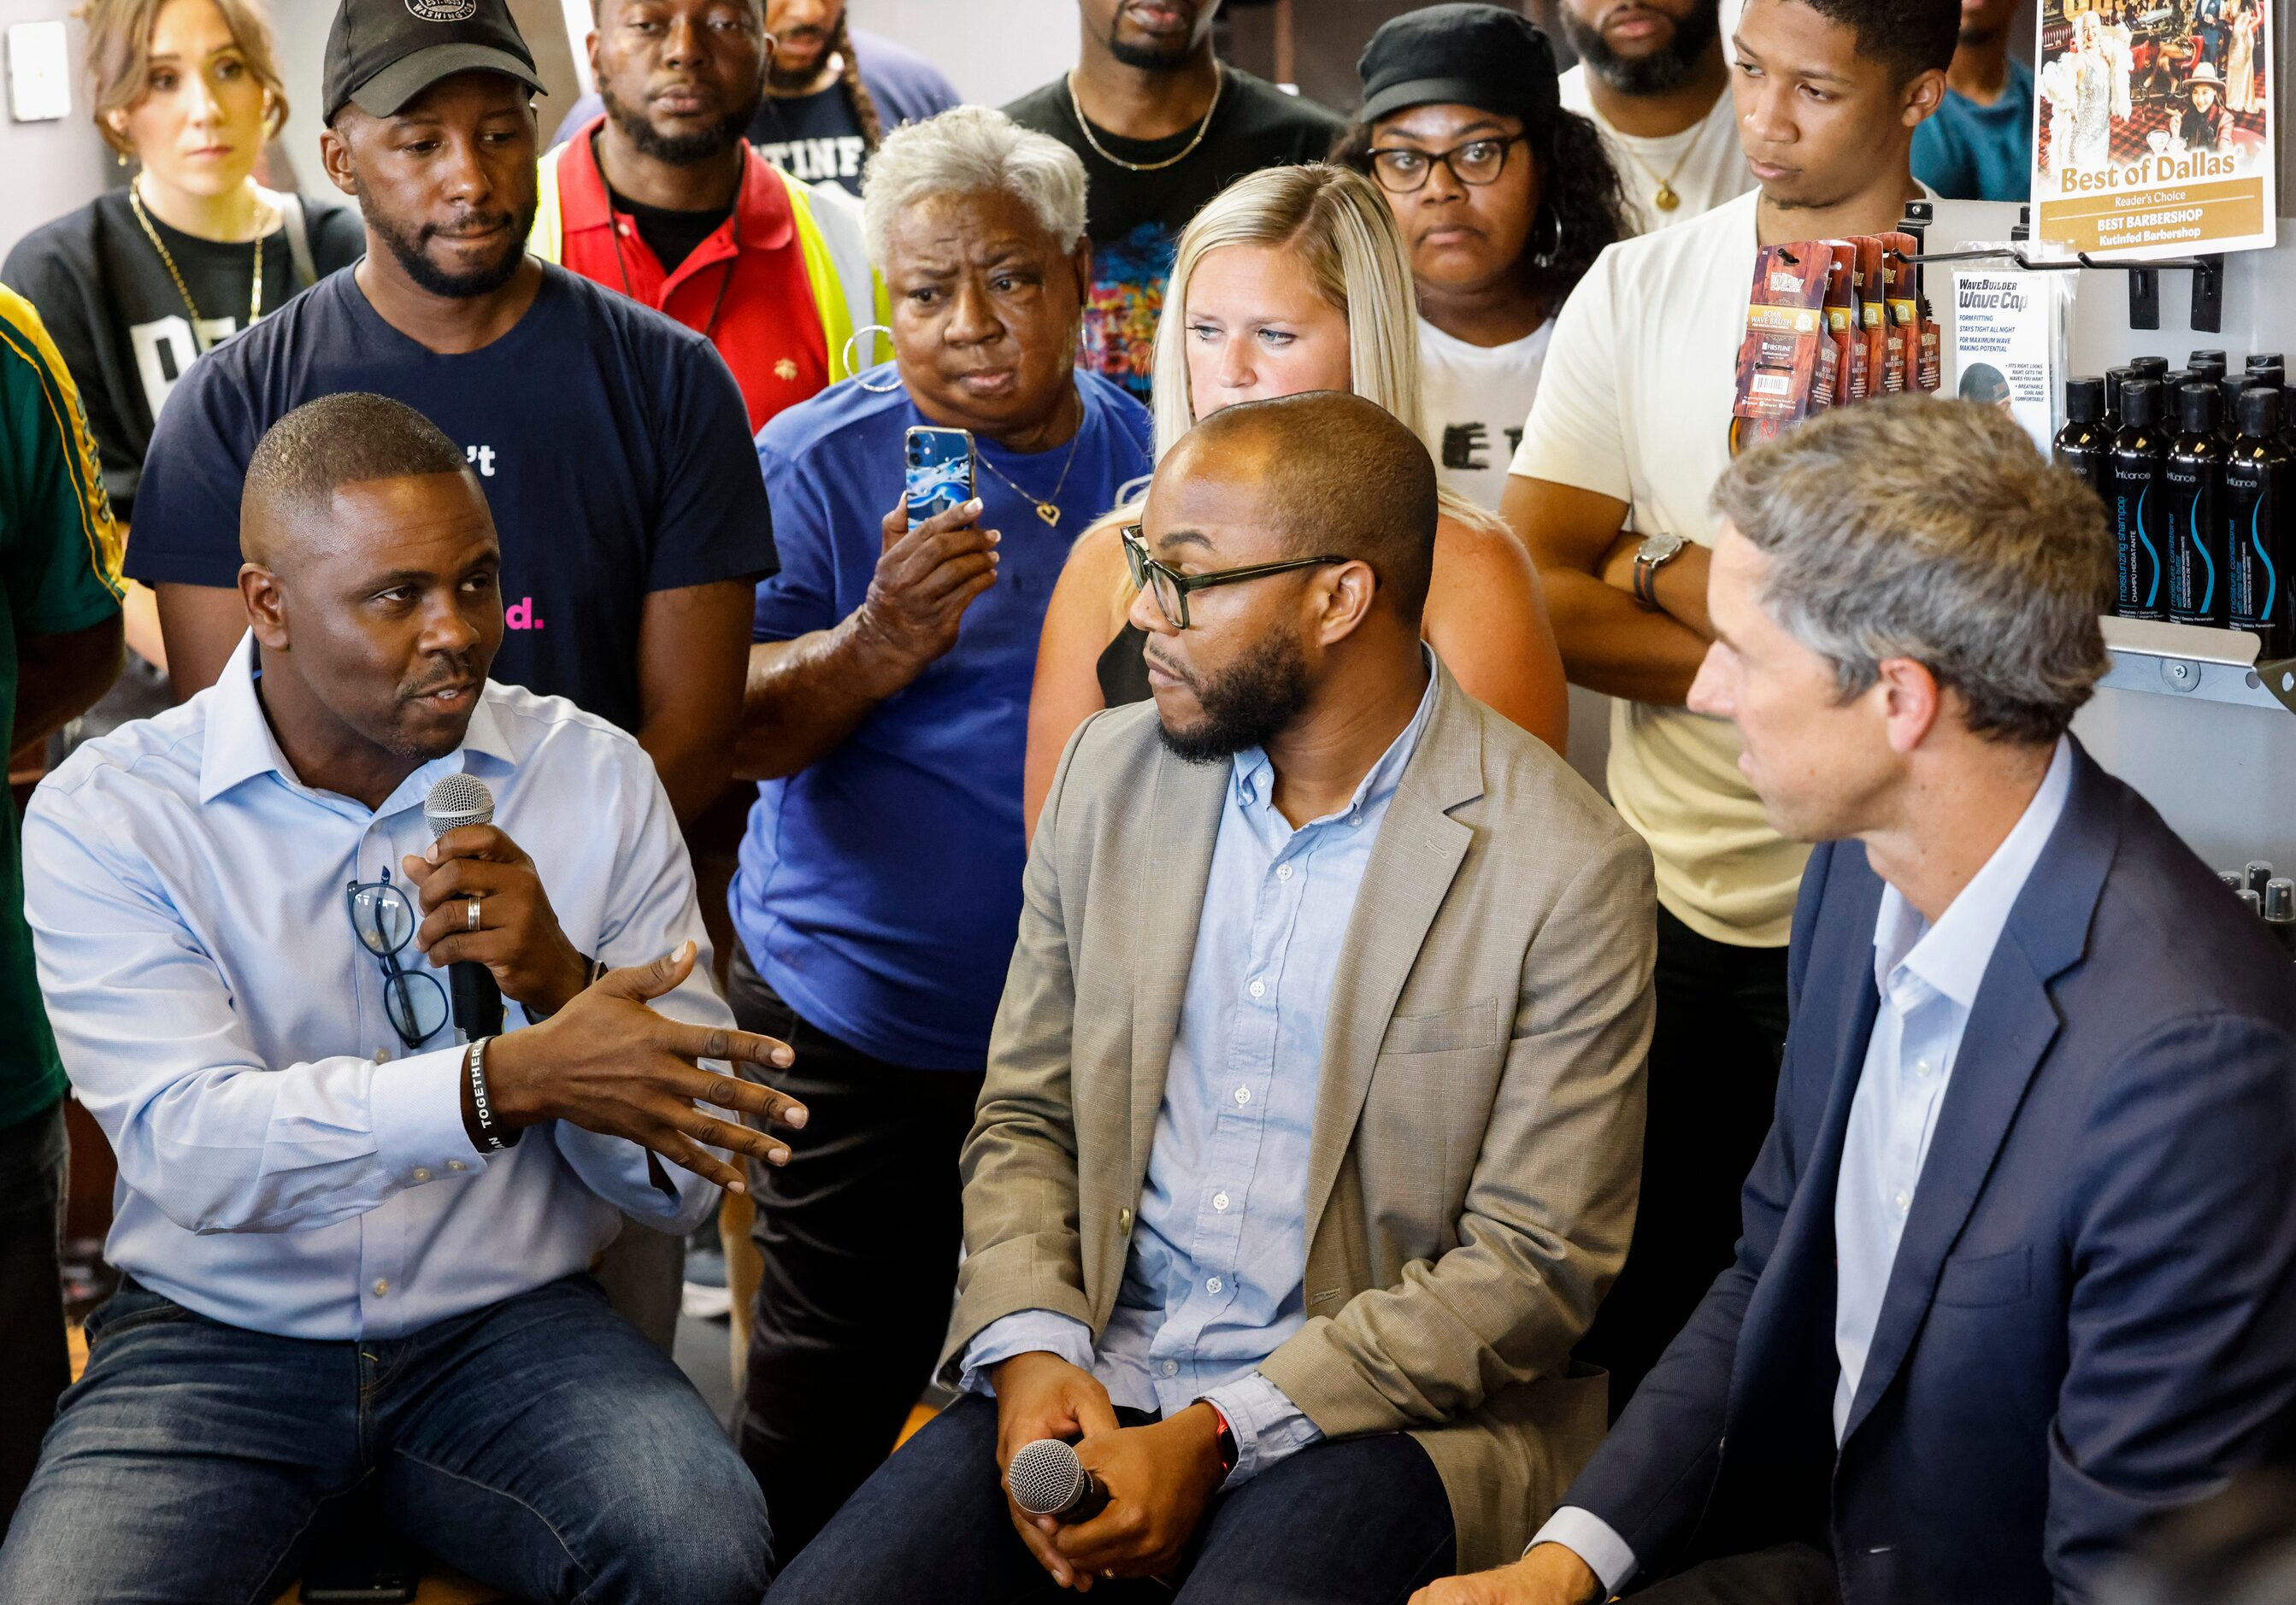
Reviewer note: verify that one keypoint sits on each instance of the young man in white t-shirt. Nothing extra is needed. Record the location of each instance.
(1631, 429)
(1652, 77)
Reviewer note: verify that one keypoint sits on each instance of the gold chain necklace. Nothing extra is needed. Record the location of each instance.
(1664, 199)
(254, 300)
(1083, 127)
(1048, 509)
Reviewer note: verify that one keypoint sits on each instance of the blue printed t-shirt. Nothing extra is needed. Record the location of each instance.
(880, 888)
(1966, 152)
(1137, 205)
(611, 441)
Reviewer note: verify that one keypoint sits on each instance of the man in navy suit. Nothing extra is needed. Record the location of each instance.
(2019, 1263)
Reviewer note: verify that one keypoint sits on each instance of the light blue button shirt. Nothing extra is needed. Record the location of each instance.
(1927, 977)
(285, 1164)
(1216, 1277)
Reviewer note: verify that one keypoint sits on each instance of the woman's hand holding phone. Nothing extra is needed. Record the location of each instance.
(927, 575)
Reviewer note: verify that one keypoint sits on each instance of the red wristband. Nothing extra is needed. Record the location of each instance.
(1226, 1442)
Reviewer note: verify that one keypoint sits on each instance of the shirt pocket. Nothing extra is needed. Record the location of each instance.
(1973, 1281)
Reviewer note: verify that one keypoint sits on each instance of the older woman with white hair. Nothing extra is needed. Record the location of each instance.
(887, 717)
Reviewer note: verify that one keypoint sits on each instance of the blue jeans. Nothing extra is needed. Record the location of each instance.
(541, 1446)
(1359, 1521)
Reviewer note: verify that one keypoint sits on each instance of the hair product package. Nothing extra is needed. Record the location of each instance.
(1786, 367)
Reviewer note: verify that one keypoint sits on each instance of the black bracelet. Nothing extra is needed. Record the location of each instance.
(493, 1135)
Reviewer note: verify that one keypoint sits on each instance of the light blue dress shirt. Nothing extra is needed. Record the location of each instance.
(1216, 1277)
(1927, 977)
(285, 1165)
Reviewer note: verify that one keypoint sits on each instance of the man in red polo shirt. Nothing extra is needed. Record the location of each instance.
(662, 199)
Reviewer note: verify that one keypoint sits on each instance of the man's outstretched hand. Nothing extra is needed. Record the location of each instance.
(608, 1064)
(1550, 1575)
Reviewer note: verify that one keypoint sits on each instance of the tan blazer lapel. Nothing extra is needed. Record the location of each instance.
(1168, 872)
(1419, 851)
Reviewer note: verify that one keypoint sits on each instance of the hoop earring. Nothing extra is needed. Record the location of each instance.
(1544, 256)
(845, 356)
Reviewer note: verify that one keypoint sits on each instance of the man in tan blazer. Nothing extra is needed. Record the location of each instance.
(1312, 1123)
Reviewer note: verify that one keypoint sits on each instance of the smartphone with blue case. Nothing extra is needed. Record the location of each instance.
(939, 469)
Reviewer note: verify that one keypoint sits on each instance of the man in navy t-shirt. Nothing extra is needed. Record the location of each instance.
(612, 443)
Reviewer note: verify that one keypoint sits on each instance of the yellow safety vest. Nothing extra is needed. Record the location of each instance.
(847, 295)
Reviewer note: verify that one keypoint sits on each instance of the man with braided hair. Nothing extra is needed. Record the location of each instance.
(832, 94)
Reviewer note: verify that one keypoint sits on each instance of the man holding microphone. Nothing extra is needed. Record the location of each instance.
(354, 1249)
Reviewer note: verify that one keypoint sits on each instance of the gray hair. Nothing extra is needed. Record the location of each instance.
(963, 151)
(1929, 530)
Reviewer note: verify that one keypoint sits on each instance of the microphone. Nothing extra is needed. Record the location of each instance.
(1048, 1480)
(464, 799)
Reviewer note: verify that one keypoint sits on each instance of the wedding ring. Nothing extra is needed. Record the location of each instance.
(471, 919)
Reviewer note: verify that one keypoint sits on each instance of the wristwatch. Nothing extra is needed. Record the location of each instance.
(1656, 551)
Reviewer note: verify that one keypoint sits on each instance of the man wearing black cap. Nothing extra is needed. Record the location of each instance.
(1163, 125)
(612, 443)
(1504, 199)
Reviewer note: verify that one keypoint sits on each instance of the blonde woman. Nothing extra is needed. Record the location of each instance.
(135, 285)
(1295, 279)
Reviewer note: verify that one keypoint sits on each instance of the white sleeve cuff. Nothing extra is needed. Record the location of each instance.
(1022, 1332)
(1593, 1540)
(1269, 1429)
(416, 1106)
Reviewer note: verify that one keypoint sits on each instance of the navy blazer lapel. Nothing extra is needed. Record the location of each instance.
(2010, 1028)
(1805, 1244)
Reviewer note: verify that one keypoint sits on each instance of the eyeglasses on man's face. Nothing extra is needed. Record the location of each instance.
(1402, 170)
(1171, 588)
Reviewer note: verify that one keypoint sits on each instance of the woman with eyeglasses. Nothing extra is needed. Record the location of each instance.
(1504, 199)
(1295, 279)
(135, 285)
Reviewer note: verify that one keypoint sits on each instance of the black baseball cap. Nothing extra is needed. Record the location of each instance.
(1477, 55)
(382, 53)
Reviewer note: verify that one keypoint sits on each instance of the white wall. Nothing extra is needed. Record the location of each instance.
(50, 168)
(994, 51)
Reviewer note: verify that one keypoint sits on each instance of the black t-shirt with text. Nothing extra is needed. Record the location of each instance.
(815, 137)
(1133, 219)
(120, 322)
(612, 443)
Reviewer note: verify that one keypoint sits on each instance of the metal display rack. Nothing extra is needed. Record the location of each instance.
(2144, 277)
(2183, 661)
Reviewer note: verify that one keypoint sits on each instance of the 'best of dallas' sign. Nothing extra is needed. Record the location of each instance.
(2155, 143)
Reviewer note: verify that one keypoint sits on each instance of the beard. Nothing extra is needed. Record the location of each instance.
(1651, 74)
(1251, 704)
(408, 250)
(681, 150)
(796, 80)
(1155, 58)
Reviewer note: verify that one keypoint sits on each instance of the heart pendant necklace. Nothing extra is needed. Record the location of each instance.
(1048, 507)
